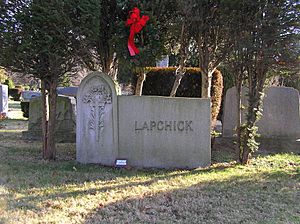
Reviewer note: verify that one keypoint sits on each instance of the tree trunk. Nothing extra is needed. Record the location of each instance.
(113, 71)
(179, 75)
(49, 98)
(45, 118)
(206, 83)
(180, 70)
(139, 84)
(238, 85)
(206, 66)
(52, 119)
(256, 87)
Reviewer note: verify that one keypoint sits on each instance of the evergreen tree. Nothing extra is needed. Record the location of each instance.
(39, 38)
(262, 45)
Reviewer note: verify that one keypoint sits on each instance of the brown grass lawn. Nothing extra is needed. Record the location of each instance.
(36, 191)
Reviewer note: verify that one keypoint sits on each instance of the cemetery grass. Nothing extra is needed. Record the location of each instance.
(36, 191)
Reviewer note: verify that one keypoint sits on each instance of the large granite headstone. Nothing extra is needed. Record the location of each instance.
(281, 116)
(164, 132)
(97, 134)
(3, 99)
(65, 119)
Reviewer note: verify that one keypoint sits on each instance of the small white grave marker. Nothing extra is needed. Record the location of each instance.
(121, 163)
(164, 62)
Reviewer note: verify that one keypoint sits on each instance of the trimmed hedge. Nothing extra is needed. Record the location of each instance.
(216, 96)
(159, 81)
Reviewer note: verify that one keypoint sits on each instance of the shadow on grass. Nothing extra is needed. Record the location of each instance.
(25, 170)
(240, 199)
(208, 201)
(258, 197)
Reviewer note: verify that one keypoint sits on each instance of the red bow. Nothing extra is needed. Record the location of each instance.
(136, 24)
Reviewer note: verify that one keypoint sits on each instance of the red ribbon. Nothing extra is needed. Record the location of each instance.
(136, 24)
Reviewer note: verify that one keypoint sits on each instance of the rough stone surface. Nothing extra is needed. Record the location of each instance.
(164, 132)
(96, 133)
(4, 99)
(65, 119)
(281, 116)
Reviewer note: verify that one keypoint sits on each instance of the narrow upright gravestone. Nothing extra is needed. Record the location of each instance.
(96, 133)
(3, 99)
(230, 113)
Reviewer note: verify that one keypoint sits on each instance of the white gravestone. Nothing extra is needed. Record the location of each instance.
(4, 99)
(96, 131)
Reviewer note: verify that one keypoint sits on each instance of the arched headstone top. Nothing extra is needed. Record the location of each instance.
(99, 81)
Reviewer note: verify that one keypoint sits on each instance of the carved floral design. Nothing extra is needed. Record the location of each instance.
(97, 98)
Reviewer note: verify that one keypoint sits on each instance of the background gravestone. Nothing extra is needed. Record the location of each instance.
(230, 111)
(281, 116)
(3, 99)
(97, 134)
(65, 119)
(281, 113)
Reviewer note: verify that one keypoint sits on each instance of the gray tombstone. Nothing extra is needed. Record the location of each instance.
(97, 118)
(281, 116)
(65, 119)
(3, 99)
(164, 132)
(229, 120)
